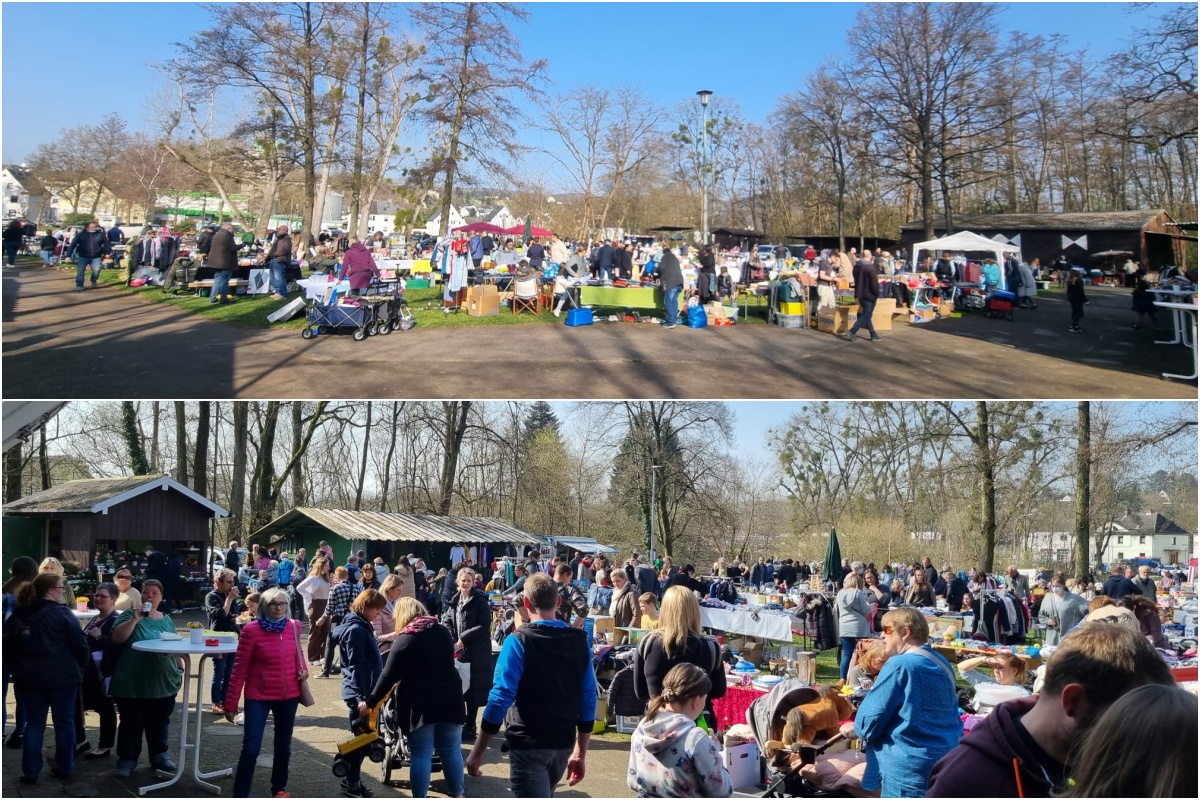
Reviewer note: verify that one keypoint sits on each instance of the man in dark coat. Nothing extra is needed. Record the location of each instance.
(279, 257)
(624, 259)
(605, 257)
(222, 258)
(866, 291)
(671, 276)
(1118, 586)
(88, 248)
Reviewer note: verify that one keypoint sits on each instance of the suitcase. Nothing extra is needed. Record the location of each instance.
(578, 317)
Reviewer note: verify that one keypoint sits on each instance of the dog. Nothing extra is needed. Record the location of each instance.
(821, 717)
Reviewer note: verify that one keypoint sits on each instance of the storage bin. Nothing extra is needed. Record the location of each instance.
(789, 320)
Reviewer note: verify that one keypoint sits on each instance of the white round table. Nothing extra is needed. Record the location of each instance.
(184, 648)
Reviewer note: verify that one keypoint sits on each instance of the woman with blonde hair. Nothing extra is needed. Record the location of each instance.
(677, 640)
(385, 629)
(315, 591)
(428, 694)
(853, 609)
(52, 566)
(470, 622)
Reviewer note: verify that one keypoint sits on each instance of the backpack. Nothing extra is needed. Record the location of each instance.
(18, 634)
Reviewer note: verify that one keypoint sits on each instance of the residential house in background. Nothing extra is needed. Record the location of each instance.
(433, 224)
(25, 196)
(1147, 535)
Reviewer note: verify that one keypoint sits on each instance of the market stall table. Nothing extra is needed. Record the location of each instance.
(186, 649)
(1183, 329)
(731, 708)
(86, 615)
(777, 627)
(620, 297)
(952, 655)
(1171, 295)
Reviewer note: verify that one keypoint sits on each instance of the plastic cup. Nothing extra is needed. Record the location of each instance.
(196, 636)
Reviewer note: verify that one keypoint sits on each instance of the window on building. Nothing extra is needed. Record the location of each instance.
(1173, 540)
(1141, 540)
(1120, 556)
(1120, 540)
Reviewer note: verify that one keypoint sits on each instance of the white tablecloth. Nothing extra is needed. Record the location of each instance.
(767, 626)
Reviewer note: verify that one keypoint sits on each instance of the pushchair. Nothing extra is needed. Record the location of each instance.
(766, 717)
(1000, 304)
(397, 754)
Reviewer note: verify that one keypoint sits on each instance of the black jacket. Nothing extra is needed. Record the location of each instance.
(866, 280)
(428, 689)
(222, 251)
(647, 579)
(651, 664)
(55, 651)
(473, 627)
(956, 590)
(682, 579)
(668, 270)
(1117, 586)
(218, 619)
(604, 256)
(361, 661)
(786, 576)
(89, 244)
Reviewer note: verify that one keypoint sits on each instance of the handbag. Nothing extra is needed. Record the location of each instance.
(464, 674)
(306, 695)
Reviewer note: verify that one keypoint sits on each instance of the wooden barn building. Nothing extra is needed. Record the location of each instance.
(77, 519)
(1150, 236)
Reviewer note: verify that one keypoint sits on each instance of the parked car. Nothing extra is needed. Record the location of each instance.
(216, 558)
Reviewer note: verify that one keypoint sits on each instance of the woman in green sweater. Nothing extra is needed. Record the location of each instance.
(144, 685)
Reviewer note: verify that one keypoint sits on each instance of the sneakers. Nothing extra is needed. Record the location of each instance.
(277, 296)
(79, 288)
(165, 764)
(1074, 329)
(356, 791)
(670, 325)
(850, 335)
(218, 709)
(281, 794)
(876, 338)
(124, 769)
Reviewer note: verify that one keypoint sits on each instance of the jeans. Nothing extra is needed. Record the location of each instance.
(47, 257)
(671, 300)
(20, 715)
(222, 667)
(108, 722)
(10, 252)
(864, 319)
(256, 722)
(220, 287)
(447, 738)
(848, 644)
(278, 279)
(81, 267)
(148, 717)
(330, 647)
(61, 704)
(536, 771)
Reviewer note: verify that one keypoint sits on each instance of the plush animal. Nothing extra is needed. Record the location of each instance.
(821, 717)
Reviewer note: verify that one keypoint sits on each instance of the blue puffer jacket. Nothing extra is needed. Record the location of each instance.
(361, 661)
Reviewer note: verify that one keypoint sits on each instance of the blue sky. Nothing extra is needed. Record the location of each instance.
(751, 53)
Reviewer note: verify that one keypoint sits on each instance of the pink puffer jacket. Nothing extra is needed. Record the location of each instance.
(266, 665)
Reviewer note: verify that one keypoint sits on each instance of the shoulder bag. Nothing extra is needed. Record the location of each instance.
(306, 695)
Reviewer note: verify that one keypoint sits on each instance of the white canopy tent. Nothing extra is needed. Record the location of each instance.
(968, 242)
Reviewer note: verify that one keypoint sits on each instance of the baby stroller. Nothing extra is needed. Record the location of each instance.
(397, 755)
(766, 717)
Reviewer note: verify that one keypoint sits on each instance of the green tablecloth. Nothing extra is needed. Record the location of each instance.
(615, 297)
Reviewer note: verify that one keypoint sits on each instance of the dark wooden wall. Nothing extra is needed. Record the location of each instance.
(156, 516)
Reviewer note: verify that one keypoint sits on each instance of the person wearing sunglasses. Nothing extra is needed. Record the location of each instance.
(909, 718)
(128, 598)
(48, 652)
(95, 686)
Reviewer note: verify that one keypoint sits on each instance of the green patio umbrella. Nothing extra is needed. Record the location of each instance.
(528, 234)
(833, 558)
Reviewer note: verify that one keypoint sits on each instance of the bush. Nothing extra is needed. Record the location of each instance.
(77, 220)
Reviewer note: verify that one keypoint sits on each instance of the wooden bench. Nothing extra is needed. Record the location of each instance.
(200, 286)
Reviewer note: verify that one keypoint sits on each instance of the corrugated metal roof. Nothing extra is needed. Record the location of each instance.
(582, 544)
(1099, 221)
(95, 495)
(388, 526)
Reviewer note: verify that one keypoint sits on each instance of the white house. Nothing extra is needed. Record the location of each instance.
(1147, 535)
(1054, 545)
(433, 224)
(19, 201)
(496, 215)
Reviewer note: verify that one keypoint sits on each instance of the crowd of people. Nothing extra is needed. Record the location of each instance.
(423, 643)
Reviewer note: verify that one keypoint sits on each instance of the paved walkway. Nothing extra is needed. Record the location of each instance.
(318, 730)
(106, 344)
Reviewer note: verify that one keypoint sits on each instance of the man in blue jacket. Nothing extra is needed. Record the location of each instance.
(88, 248)
(545, 690)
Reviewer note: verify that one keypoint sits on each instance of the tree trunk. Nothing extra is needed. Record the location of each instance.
(454, 427)
(237, 484)
(460, 112)
(200, 462)
(299, 494)
(386, 486)
(366, 452)
(12, 473)
(359, 123)
(983, 446)
(43, 458)
(133, 440)
(155, 416)
(1083, 488)
(262, 503)
(181, 454)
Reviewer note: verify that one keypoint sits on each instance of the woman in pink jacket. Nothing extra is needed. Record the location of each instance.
(359, 267)
(270, 666)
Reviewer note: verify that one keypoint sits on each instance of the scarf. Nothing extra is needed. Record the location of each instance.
(418, 624)
(272, 626)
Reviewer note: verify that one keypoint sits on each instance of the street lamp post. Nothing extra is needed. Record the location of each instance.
(704, 174)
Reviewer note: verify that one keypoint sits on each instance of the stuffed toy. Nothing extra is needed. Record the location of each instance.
(821, 717)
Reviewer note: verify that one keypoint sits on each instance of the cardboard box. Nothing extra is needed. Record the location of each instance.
(846, 317)
(881, 318)
(601, 715)
(603, 626)
(483, 301)
(920, 316)
(827, 319)
(744, 763)
(945, 308)
(750, 650)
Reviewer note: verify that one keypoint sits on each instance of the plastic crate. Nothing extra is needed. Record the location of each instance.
(789, 320)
